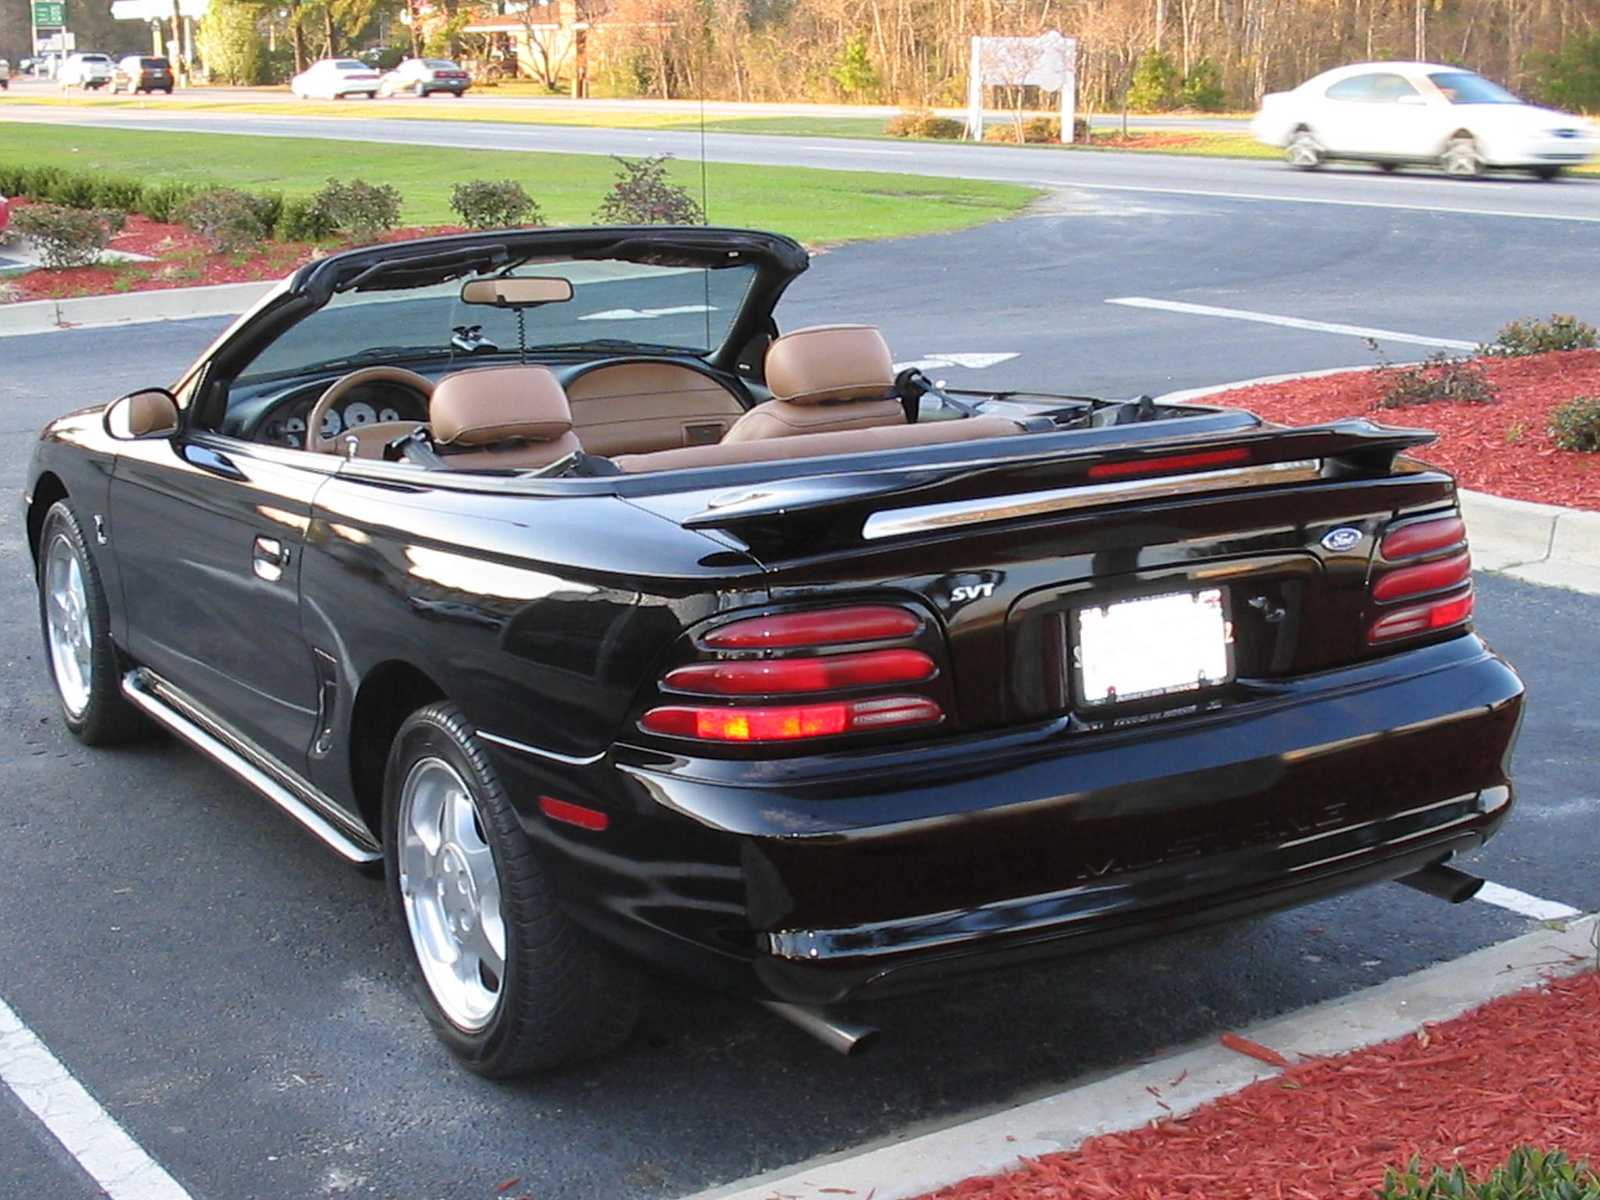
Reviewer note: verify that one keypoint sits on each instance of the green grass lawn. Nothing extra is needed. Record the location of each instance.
(814, 206)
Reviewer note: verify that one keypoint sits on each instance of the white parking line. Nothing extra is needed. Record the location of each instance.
(1524, 904)
(112, 1159)
(1240, 314)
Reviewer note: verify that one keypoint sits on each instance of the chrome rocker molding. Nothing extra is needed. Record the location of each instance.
(163, 704)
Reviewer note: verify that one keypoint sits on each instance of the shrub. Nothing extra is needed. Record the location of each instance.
(118, 192)
(1527, 1175)
(1441, 379)
(643, 195)
(1202, 87)
(1037, 129)
(229, 220)
(68, 237)
(493, 204)
(361, 209)
(923, 123)
(1530, 336)
(75, 190)
(1575, 425)
(161, 201)
(1155, 83)
(303, 221)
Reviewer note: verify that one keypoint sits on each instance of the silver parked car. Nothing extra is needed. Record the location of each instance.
(1394, 114)
(424, 76)
(85, 69)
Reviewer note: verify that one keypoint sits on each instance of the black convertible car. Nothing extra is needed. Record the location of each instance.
(629, 633)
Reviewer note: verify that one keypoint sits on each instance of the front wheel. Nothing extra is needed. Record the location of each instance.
(1462, 158)
(77, 635)
(508, 983)
(1304, 152)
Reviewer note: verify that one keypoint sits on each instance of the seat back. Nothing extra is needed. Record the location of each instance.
(501, 417)
(636, 407)
(825, 379)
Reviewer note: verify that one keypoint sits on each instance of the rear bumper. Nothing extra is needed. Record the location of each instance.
(815, 880)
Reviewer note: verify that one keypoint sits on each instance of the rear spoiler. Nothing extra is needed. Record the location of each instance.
(1069, 474)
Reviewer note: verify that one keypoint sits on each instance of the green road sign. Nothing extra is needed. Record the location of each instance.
(49, 14)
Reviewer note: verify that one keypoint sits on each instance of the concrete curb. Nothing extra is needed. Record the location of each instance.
(171, 304)
(1177, 1085)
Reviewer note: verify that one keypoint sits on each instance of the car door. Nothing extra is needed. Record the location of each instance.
(207, 531)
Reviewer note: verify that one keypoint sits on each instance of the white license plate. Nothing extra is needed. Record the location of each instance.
(1152, 646)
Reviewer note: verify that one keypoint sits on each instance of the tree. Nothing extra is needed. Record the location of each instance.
(853, 70)
(230, 44)
(1202, 88)
(1571, 79)
(1155, 83)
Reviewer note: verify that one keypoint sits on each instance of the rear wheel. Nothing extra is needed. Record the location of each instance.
(77, 635)
(1546, 173)
(509, 984)
(1304, 152)
(1462, 158)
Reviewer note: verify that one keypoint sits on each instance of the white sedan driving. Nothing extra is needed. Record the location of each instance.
(333, 78)
(1396, 114)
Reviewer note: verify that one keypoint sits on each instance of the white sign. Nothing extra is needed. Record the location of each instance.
(1048, 62)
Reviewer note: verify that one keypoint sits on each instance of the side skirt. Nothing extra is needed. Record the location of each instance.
(308, 805)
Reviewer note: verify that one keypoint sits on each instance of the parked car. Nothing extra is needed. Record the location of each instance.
(335, 78)
(1395, 114)
(5, 213)
(744, 659)
(425, 76)
(84, 69)
(5, 75)
(142, 73)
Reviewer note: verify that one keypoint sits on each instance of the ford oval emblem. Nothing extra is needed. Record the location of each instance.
(1341, 539)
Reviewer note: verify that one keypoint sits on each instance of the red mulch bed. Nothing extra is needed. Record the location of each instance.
(181, 260)
(1502, 448)
(1519, 1071)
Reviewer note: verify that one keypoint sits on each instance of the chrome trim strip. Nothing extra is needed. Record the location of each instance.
(535, 752)
(135, 685)
(900, 521)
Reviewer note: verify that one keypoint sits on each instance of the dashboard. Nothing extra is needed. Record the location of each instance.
(284, 423)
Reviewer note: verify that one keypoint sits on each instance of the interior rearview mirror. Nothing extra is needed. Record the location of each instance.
(151, 413)
(517, 291)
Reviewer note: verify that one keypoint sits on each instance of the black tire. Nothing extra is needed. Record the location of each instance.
(1462, 158)
(76, 621)
(1546, 173)
(510, 985)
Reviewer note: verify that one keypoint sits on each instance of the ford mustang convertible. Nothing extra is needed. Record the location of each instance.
(631, 634)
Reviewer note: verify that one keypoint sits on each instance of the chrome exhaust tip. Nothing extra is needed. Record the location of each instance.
(1446, 883)
(847, 1037)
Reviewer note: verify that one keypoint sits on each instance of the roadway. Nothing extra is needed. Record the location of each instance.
(234, 997)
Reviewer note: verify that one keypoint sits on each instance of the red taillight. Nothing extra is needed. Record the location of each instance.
(779, 676)
(1169, 464)
(1422, 578)
(1446, 572)
(828, 626)
(790, 721)
(1422, 618)
(1422, 537)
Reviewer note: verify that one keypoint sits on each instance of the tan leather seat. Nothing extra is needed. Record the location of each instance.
(501, 417)
(846, 441)
(636, 407)
(825, 379)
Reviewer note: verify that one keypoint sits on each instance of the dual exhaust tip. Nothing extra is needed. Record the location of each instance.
(851, 1037)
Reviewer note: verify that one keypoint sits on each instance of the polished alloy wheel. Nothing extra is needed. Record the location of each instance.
(1462, 157)
(71, 637)
(450, 890)
(1304, 151)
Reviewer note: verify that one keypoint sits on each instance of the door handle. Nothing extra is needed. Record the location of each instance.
(269, 558)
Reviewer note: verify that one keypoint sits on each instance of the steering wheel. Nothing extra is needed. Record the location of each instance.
(369, 439)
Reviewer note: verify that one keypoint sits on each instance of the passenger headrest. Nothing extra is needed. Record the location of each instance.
(827, 363)
(499, 404)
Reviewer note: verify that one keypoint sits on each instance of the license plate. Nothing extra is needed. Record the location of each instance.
(1152, 646)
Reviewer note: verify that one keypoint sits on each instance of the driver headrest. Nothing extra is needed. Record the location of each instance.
(829, 363)
(499, 404)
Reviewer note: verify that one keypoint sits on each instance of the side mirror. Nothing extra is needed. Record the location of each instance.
(517, 291)
(152, 413)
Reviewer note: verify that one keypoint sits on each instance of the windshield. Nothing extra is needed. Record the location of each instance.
(1463, 87)
(622, 306)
